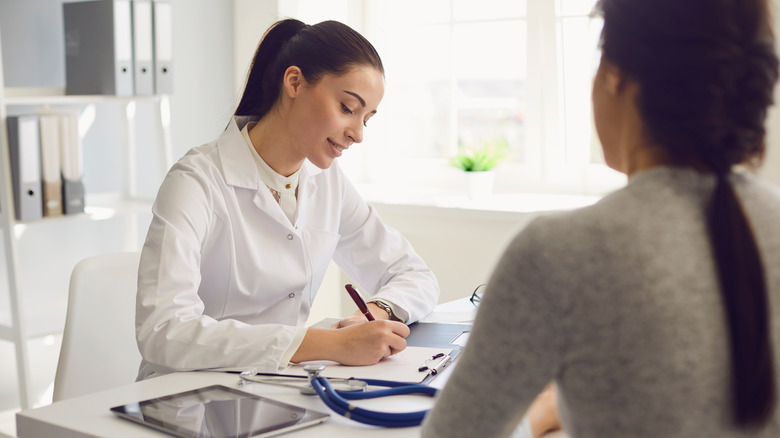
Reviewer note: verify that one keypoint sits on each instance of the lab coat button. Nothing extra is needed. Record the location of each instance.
(292, 295)
(289, 237)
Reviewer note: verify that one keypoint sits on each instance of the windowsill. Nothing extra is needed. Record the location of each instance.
(451, 199)
(517, 188)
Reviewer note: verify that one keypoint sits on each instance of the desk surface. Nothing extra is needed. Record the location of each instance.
(89, 416)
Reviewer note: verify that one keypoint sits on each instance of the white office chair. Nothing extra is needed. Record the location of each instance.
(99, 350)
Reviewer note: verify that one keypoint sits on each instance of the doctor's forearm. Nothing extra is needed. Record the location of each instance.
(360, 344)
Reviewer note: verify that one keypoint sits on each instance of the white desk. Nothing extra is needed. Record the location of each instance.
(89, 416)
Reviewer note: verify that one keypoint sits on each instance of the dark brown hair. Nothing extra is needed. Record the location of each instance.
(706, 71)
(329, 47)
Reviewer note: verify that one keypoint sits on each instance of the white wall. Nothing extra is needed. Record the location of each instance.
(460, 246)
(251, 18)
(204, 92)
(771, 168)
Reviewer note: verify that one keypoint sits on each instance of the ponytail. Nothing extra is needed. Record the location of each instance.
(744, 292)
(328, 47)
(264, 80)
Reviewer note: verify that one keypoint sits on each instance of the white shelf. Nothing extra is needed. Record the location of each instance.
(57, 243)
(97, 207)
(57, 96)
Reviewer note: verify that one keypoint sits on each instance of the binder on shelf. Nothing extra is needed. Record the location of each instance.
(98, 47)
(143, 47)
(51, 170)
(72, 164)
(162, 24)
(25, 154)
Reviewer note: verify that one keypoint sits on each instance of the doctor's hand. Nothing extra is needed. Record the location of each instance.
(369, 342)
(359, 344)
(358, 318)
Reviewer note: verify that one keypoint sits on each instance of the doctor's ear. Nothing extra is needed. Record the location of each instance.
(292, 81)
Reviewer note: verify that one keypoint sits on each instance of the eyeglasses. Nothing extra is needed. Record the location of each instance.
(476, 296)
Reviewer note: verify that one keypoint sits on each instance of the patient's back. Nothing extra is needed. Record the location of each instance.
(647, 350)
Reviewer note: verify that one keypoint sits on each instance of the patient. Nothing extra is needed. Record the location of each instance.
(652, 310)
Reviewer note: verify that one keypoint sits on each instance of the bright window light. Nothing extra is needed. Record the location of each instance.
(461, 73)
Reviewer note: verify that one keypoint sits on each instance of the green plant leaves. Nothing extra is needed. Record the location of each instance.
(482, 158)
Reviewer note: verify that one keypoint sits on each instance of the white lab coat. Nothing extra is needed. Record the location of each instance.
(227, 281)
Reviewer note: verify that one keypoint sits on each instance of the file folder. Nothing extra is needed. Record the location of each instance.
(143, 47)
(162, 22)
(98, 47)
(24, 151)
(72, 165)
(51, 174)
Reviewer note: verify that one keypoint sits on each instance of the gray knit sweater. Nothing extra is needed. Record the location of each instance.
(618, 303)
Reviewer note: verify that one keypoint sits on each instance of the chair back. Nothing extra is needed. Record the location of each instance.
(99, 349)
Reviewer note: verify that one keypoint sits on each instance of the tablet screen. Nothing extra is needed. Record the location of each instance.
(219, 412)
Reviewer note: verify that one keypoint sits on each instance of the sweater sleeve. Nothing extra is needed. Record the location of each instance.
(514, 349)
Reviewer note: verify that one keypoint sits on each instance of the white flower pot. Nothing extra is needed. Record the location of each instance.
(480, 184)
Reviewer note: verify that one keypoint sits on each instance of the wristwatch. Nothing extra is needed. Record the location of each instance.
(382, 304)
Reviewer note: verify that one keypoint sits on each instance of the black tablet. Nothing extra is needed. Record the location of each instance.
(219, 412)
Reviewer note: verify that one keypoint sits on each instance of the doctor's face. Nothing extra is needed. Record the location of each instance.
(329, 116)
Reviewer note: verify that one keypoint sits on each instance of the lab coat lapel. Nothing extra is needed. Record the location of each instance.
(265, 201)
(240, 170)
(238, 165)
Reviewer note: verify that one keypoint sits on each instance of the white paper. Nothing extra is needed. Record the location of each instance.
(401, 367)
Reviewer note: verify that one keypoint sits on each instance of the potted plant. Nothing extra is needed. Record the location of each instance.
(479, 163)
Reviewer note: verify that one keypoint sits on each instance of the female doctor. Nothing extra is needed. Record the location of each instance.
(244, 227)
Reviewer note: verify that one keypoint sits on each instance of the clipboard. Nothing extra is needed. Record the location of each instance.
(437, 335)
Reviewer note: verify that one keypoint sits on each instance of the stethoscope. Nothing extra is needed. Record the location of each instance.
(352, 389)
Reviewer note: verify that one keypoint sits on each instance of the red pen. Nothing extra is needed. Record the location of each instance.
(359, 301)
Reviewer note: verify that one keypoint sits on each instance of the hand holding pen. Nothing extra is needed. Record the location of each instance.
(355, 342)
(361, 304)
(352, 341)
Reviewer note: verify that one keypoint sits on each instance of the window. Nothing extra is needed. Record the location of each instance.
(461, 73)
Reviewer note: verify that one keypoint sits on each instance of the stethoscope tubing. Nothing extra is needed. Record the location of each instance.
(335, 400)
(396, 388)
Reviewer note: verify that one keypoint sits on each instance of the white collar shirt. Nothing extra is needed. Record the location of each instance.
(284, 188)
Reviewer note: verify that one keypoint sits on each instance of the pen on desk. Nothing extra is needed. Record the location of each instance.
(359, 301)
(441, 365)
(436, 369)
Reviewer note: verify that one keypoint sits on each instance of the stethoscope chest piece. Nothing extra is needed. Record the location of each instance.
(313, 371)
